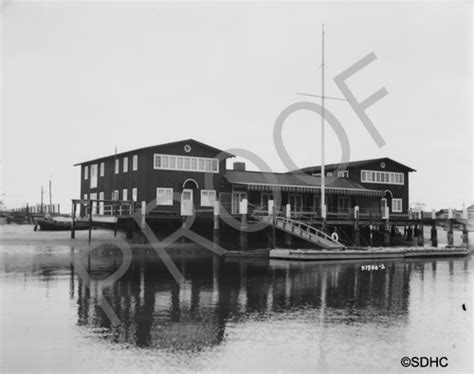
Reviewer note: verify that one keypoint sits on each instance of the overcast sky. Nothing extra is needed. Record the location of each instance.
(81, 78)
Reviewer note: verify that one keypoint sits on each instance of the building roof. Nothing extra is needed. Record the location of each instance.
(158, 146)
(317, 169)
(297, 182)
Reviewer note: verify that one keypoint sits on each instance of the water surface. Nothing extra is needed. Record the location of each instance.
(262, 316)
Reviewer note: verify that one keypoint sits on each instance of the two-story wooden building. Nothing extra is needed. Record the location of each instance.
(381, 174)
(159, 172)
(187, 177)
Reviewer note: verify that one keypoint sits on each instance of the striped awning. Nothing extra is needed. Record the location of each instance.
(310, 189)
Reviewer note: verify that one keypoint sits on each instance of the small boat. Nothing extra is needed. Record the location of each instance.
(49, 223)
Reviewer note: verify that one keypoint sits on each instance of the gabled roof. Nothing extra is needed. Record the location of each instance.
(317, 169)
(158, 146)
(296, 181)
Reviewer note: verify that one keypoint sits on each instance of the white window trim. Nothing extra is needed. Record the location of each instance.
(86, 172)
(205, 200)
(203, 164)
(94, 175)
(102, 169)
(135, 162)
(398, 209)
(374, 176)
(343, 174)
(125, 164)
(164, 191)
(125, 194)
(117, 166)
(134, 193)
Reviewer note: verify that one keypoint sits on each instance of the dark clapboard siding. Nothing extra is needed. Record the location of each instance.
(146, 179)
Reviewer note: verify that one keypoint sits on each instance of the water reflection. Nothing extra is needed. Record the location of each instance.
(241, 315)
(158, 312)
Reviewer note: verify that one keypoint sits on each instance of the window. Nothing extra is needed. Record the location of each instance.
(125, 164)
(85, 196)
(102, 169)
(397, 205)
(134, 194)
(117, 166)
(173, 162)
(93, 183)
(343, 174)
(208, 197)
(135, 162)
(381, 177)
(164, 196)
(215, 166)
(296, 202)
(86, 172)
(329, 174)
(124, 194)
(115, 195)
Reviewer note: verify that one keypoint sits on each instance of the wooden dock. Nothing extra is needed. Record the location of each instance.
(362, 254)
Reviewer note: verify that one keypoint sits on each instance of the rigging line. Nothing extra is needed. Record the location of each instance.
(325, 97)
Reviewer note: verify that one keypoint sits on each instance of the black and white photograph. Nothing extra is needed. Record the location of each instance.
(236, 186)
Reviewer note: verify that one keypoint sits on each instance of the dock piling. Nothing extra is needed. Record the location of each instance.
(288, 236)
(243, 225)
(465, 236)
(434, 235)
(216, 229)
(409, 233)
(143, 216)
(450, 233)
(73, 222)
(421, 238)
(90, 221)
(371, 234)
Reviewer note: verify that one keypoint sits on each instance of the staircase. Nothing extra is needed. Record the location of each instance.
(303, 231)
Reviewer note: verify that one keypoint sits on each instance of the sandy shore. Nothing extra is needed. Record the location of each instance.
(25, 235)
(12, 235)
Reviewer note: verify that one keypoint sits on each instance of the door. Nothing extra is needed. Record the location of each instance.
(343, 204)
(187, 202)
(296, 202)
(94, 204)
(101, 204)
(383, 206)
(265, 198)
(237, 197)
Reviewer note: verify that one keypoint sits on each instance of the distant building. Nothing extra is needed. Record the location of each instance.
(444, 214)
(470, 218)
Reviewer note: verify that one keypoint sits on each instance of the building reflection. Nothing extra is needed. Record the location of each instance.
(156, 311)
